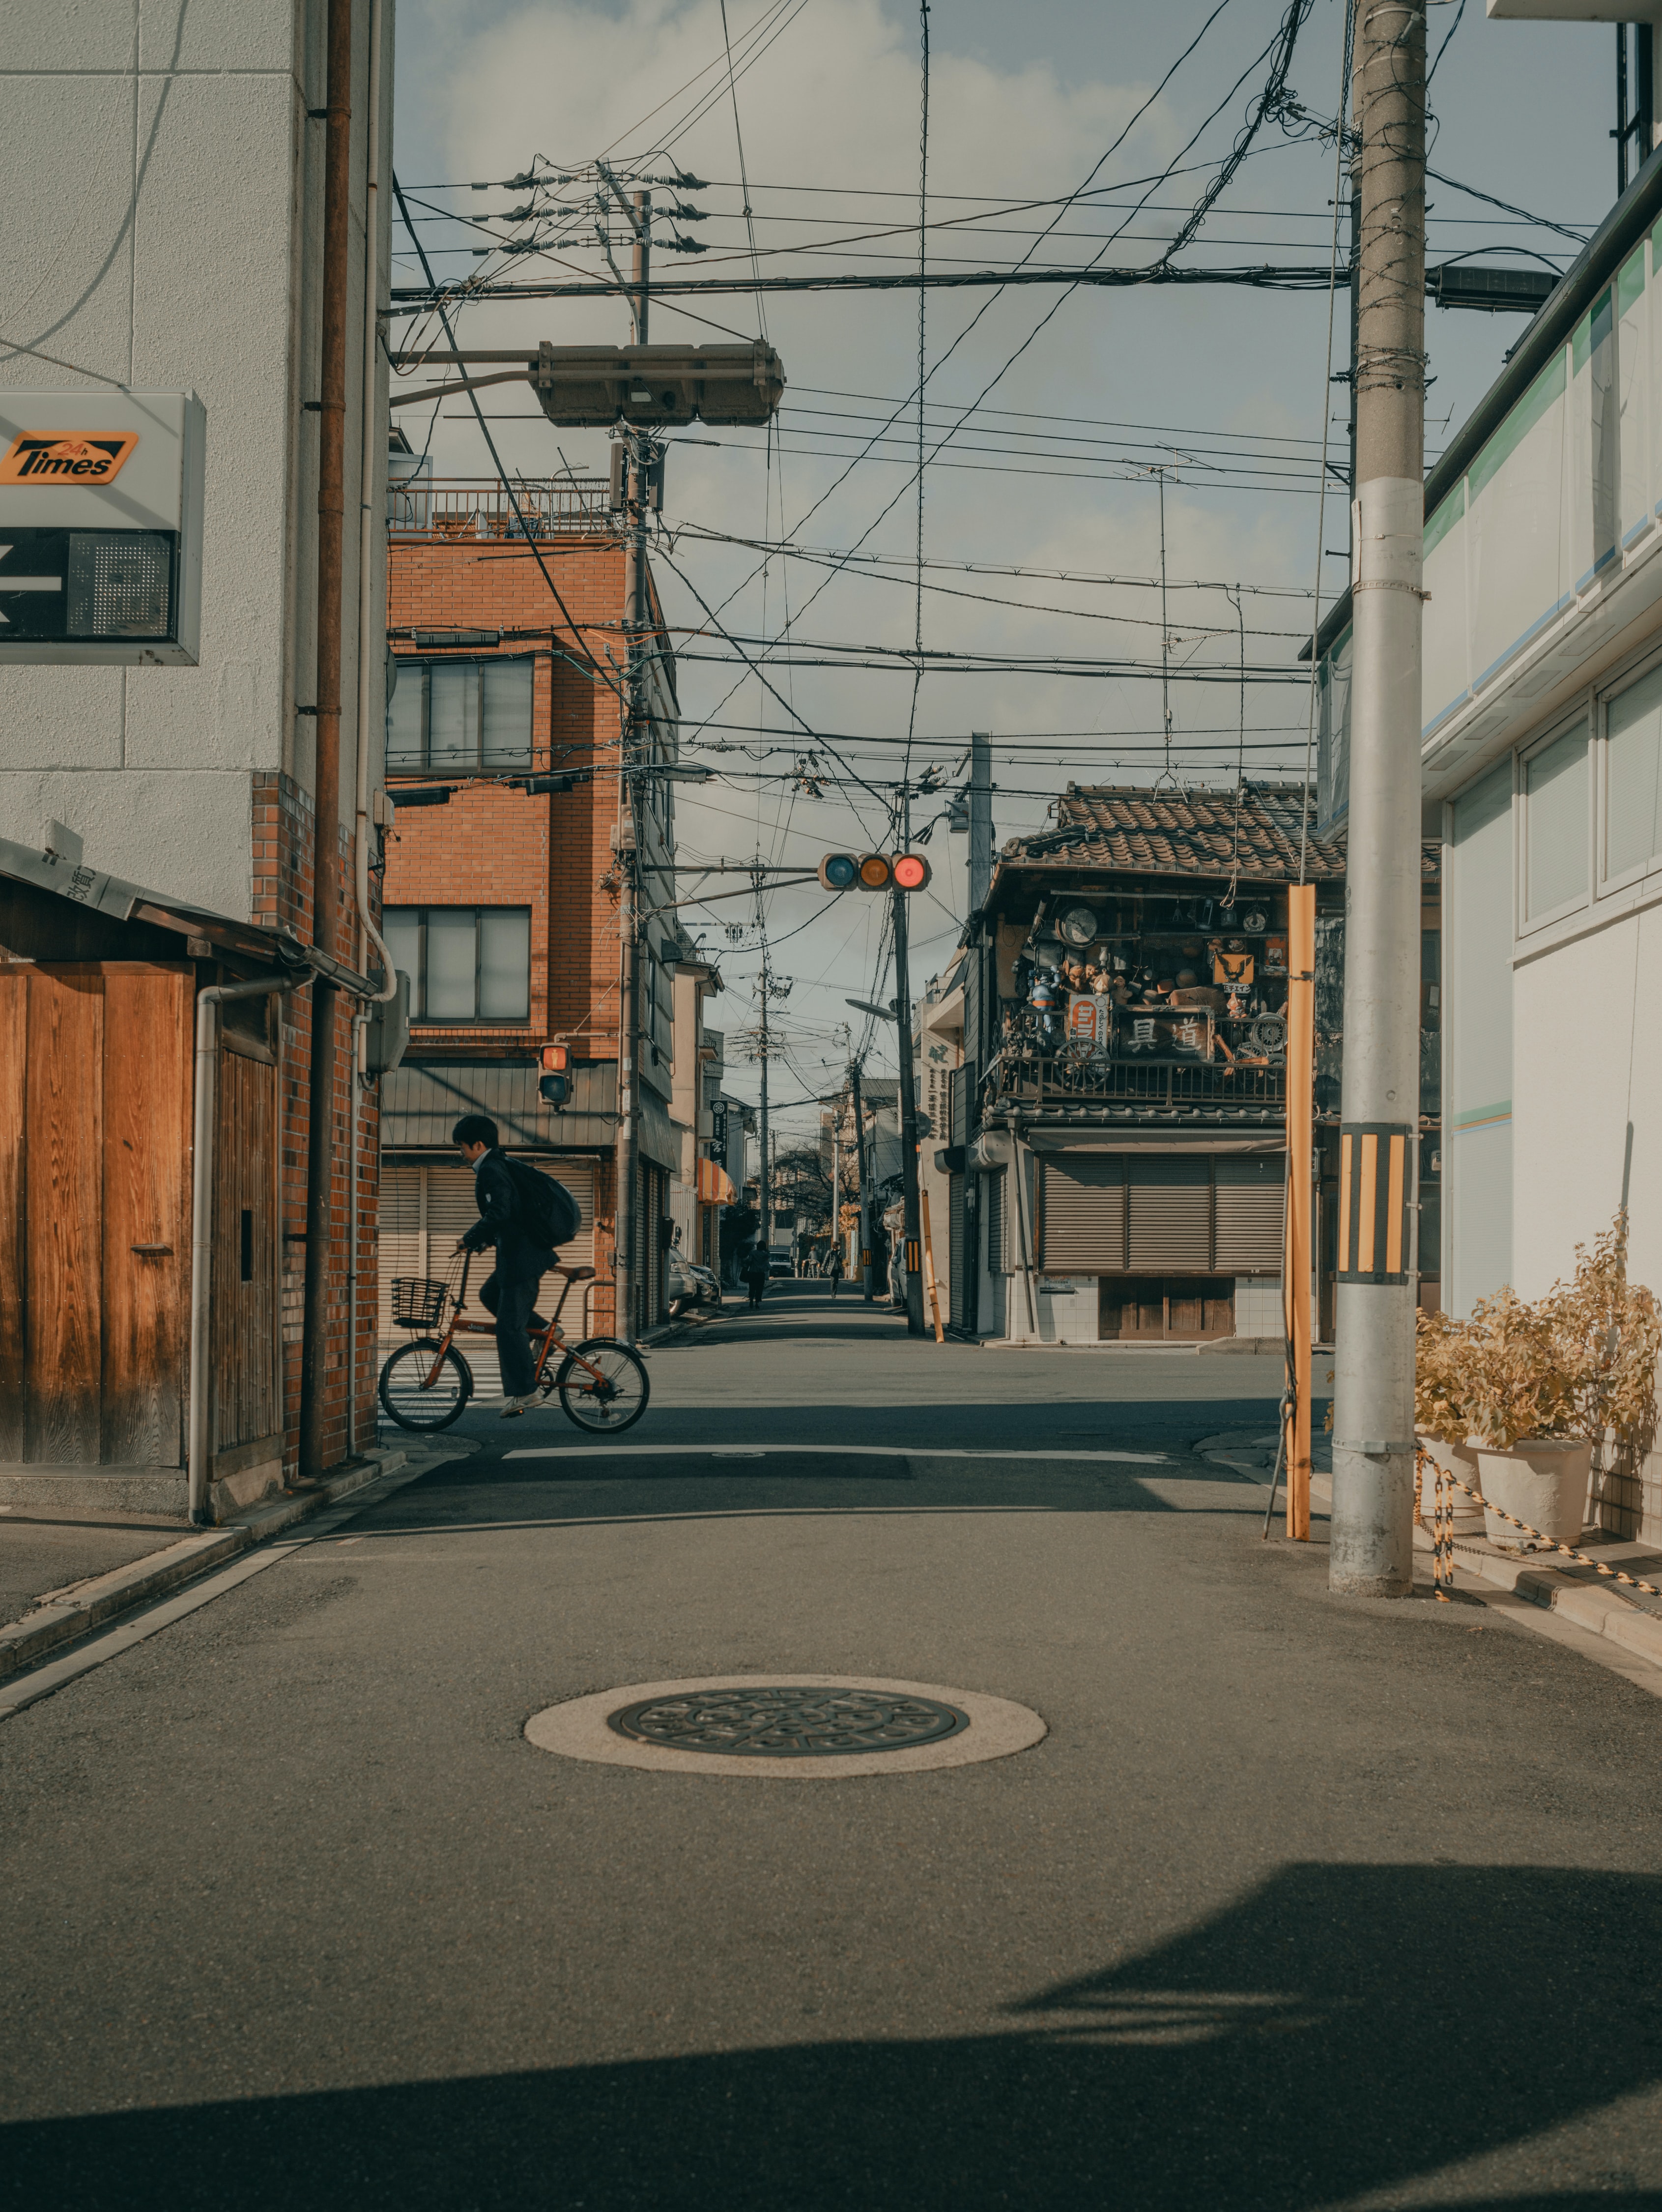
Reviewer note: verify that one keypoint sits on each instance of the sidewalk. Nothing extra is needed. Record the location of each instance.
(68, 1576)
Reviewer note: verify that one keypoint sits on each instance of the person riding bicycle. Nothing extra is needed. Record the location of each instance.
(522, 1258)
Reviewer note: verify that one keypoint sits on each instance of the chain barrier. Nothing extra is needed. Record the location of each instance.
(1442, 1531)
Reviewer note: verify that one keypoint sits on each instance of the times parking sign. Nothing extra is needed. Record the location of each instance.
(101, 525)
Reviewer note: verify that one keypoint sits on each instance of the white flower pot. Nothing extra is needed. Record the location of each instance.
(1461, 1461)
(1543, 1481)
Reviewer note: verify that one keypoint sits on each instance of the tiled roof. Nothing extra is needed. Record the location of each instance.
(1181, 832)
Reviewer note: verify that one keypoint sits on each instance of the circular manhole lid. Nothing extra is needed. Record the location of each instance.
(797, 1727)
(792, 1721)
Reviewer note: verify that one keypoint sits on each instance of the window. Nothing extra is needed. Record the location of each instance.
(457, 715)
(1632, 779)
(464, 963)
(1555, 824)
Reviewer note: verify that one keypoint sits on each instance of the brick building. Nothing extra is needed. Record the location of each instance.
(501, 904)
(161, 770)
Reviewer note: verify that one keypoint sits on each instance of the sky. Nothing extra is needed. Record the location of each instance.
(1089, 406)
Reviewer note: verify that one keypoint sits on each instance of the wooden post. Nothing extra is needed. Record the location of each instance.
(1295, 1260)
(929, 1269)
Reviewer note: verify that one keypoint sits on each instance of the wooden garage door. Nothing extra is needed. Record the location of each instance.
(94, 1223)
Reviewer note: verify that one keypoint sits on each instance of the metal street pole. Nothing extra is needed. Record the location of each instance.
(1372, 1537)
(865, 1187)
(913, 1254)
(626, 1234)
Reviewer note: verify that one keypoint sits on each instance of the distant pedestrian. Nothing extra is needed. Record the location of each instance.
(833, 1268)
(754, 1268)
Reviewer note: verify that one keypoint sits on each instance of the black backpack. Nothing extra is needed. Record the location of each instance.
(548, 1213)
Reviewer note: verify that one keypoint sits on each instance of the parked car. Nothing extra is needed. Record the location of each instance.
(690, 1284)
(781, 1263)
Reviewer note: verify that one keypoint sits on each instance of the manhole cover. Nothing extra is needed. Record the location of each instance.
(789, 1721)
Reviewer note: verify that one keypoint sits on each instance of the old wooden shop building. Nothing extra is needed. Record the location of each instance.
(1112, 1035)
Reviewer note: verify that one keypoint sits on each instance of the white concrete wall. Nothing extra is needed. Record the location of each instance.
(1573, 1103)
(163, 231)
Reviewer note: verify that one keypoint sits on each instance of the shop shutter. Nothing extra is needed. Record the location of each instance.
(998, 1247)
(451, 1209)
(1249, 1213)
(955, 1211)
(1084, 1215)
(399, 1242)
(1171, 1215)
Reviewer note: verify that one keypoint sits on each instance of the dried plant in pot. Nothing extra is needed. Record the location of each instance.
(1536, 1386)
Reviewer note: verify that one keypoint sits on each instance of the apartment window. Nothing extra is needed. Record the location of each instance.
(453, 716)
(1633, 777)
(464, 963)
(1555, 824)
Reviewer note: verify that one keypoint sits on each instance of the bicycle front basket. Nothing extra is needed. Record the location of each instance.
(418, 1301)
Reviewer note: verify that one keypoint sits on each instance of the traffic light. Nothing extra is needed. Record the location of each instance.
(873, 871)
(554, 1083)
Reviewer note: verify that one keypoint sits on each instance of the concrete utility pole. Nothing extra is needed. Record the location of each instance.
(626, 1234)
(1372, 1553)
(913, 1256)
(765, 1166)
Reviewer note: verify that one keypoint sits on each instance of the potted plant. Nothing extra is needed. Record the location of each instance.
(1529, 1388)
(1440, 1420)
(1533, 1459)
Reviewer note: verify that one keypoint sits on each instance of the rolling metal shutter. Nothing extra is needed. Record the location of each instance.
(1171, 1214)
(1084, 1216)
(998, 1244)
(401, 1248)
(955, 1211)
(1250, 1191)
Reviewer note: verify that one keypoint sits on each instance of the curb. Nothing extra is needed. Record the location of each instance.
(1581, 1605)
(102, 1597)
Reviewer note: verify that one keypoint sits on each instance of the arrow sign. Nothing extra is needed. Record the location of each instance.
(26, 583)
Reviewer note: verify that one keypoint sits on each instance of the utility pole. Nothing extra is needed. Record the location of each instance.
(864, 1188)
(1372, 1539)
(765, 1163)
(913, 1254)
(627, 1235)
(981, 819)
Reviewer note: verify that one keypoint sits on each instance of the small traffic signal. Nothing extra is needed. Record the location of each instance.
(873, 871)
(553, 1087)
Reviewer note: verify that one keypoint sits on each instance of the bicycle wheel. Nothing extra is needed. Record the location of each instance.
(417, 1397)
(611, 1402)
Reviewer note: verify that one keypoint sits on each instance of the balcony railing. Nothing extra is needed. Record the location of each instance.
(1054, 1079)
(449, 507)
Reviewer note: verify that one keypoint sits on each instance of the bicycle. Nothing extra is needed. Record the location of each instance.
(426, 1384)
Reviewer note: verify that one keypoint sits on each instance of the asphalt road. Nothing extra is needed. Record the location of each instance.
(1299, 1903)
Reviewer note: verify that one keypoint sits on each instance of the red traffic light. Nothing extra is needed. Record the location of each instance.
(911, 872)
(557, 1059)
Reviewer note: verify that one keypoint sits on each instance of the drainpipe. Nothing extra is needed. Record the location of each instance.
(326, 780)
(208, 1003)
(372, 649)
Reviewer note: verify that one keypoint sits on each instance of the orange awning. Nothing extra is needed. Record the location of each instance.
(715, 1185)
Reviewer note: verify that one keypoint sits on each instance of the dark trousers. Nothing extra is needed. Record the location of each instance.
(756, 1290)
(513, 1299)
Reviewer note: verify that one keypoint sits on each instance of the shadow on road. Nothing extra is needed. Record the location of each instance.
(1337, 2029)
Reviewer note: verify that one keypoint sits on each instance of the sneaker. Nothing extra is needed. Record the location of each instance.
(512, 1407)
